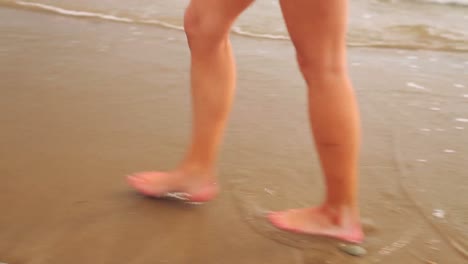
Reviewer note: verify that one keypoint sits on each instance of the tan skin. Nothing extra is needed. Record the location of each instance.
(317, 30)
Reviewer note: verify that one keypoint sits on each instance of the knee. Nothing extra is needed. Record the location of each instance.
(204, 29)
(322, 67)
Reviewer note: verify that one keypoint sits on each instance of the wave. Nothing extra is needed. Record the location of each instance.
(447, 2)
(462, 3)
(422, 37)
(415, 36)
(86, 14)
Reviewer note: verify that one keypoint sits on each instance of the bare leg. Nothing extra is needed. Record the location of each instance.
(207, 25)
(318, 29)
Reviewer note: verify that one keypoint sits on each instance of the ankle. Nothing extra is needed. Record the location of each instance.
(197, 170)
(341, 214)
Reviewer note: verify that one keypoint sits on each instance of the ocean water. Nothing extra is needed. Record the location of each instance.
(407, 24)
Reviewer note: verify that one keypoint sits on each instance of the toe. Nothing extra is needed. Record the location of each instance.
(282, 220)
(140, 184)
(134, 180)
(148, 178)
(277, 219)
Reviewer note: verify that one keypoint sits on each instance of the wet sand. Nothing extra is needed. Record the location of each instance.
(85, 102)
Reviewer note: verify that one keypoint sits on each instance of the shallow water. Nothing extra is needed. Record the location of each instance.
(84, 103)
(430, 24)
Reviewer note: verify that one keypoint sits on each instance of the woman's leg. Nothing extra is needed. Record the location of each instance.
(207, 25)
(318, 31)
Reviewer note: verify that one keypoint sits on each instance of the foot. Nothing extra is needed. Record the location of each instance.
(319, 221)
(179, 184)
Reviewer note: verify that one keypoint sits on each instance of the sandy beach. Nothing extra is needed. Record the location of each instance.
(85, 102)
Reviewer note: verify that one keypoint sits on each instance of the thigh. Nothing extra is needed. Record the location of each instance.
(218, 14)
(317, 28)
